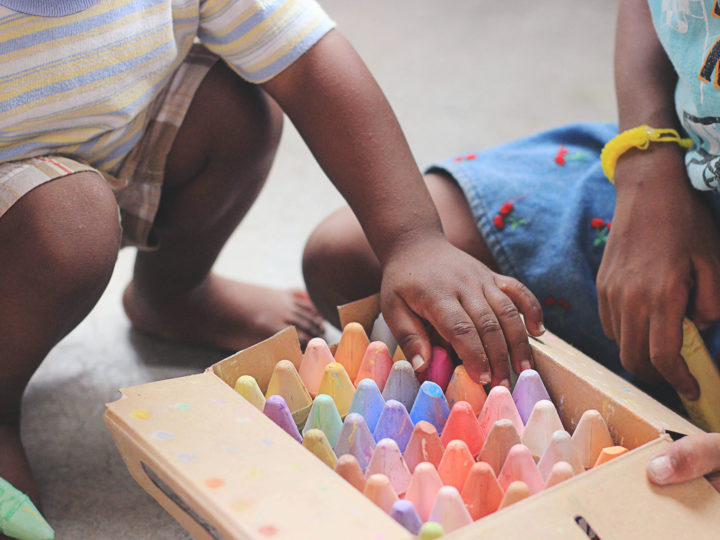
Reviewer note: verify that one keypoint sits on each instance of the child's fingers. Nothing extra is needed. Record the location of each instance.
(464, 334)
(486, 315)
(686, 459)
(706, 305)
(635, 348)
(525, 301)
(409, 331)
(513, 329)
(665, 343)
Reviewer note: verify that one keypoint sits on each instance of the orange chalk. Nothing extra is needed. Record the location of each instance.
(502, 437)
(561, 448)
(462, 388)
(482, 492)
(351, 349)
(424, 445)
(542, 423)
(517, 491)
(286, 382)
(611, 452)
(317, 356)
(349, 468)
(379, 490)
(462, 424)
(455, 464)
(424, 485)
(520, 465)
(449, 510)
(499, 404)
(590, 436)
(398, 355)
(375, 364)
(337, 384)
(560, 472)
(316, 441)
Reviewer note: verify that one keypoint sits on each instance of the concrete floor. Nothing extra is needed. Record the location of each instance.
(460, 75)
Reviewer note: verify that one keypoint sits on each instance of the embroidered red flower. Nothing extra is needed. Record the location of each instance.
(549, 301)
(597, 223)
(609, 223)
(506, 208)
(499, 222)
(471, 156)
(563, 304)
(560, 156)
(459, 158)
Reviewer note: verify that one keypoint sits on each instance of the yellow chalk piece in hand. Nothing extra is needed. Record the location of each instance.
(704, 411)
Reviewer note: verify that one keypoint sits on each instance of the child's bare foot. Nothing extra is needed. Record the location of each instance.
(223, 313)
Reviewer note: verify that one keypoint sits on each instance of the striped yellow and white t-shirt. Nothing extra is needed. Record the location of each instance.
(76, 77)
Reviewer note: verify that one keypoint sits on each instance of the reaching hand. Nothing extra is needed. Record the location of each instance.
(662, 257)
(686, 459)
(476, 310)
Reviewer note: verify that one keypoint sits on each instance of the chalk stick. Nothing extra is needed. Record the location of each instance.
(355, 438)
(376, 364)
(609, 453)
(560, 472)
(502, 437)
(316, 441)
(387, 459)
(590, 436)
(379, 490)
(277, 410)
(381, 332)
(529, 389)
(394, 423)
(440, 369)
(430, 405)
(425, 483)
(431, 531)
(462, 388)
(247, 387)
(336, 383)
(455, 464)
(368, 402)
(542, 423)
(349, 468)
(317, 356)
(499, 404)
(705, 411)
(424, 445)
(561, 448)
(398, 354)
(482, 492)
(352, 347)
(462, 424)
(449, 510)
(285, 381)
(405, 514)
(402, 384)
(520, 465)
(19, 518)
(325, 417)
(516, 491)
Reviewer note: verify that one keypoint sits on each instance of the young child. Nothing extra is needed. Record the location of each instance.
(616, 267)
(166, 112)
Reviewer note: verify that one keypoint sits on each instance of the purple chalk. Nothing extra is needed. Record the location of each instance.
(402, 384)
(405, 514)
(355, 438)
(277, 410)
(529, 389)
(368, 402)
(395, 424)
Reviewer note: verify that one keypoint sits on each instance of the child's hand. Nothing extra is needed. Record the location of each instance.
(476, 310)
(686, 459)
(663, 248)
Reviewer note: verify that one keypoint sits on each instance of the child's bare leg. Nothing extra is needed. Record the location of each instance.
(217, 166)
(339, 266)
(58, 245)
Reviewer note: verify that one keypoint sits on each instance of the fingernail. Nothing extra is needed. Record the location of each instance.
(525, 364)
(505, 383)
(484, 378)
(541, 327)
(660, 468)
(417, 362)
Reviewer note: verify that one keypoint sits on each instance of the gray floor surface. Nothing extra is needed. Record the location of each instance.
(461, 75)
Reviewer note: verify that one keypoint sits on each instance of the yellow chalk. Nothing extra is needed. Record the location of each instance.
(705, 411)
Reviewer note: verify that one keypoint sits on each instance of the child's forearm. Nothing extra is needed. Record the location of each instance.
(349, 126)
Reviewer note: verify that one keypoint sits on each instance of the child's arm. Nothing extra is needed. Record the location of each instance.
(686, 459)
(663, 247)
(346, 121)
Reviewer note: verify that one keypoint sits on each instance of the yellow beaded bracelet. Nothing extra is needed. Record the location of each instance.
(637, 137)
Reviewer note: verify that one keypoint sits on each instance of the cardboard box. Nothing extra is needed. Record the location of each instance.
(224, 470)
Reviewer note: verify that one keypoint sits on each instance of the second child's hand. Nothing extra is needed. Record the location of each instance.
(476, 310)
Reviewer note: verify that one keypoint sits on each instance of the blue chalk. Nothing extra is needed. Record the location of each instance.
(368, 402)
(395, 424)
(430, 405)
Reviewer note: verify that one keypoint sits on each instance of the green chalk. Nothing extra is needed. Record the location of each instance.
(430, 530)
(18, 516)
